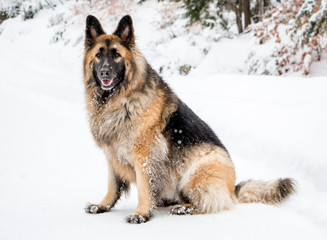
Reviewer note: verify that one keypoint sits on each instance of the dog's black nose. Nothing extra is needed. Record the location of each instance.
(104, 72)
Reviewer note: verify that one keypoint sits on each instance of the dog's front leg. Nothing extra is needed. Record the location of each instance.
(143, 211)
(116, 186)
(150, 152)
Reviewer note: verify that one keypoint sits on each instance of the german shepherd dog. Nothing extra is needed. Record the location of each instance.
(151, 138)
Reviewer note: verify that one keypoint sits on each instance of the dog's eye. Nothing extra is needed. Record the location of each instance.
(98, 55)
(116, 55)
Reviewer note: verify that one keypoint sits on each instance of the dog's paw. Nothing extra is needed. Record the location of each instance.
(137, 219)
(181, 210)
(94, 209)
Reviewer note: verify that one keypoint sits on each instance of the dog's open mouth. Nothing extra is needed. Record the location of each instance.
(107, 84)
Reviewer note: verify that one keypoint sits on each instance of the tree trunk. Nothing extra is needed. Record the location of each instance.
(247, 12)
(238, 14)
(260, 8)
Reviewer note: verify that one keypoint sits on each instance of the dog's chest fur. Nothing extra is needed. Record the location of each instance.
(117, 122)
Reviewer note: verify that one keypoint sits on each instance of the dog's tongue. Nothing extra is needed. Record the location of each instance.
(107, 82)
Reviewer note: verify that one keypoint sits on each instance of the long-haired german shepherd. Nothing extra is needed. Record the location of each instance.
(151, 138)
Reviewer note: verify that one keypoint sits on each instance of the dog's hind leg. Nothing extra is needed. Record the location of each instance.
(182, 209)
(209, 185)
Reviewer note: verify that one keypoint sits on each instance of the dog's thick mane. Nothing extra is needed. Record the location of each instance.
(141, 87)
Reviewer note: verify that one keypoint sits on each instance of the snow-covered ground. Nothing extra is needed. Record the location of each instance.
(50, 167)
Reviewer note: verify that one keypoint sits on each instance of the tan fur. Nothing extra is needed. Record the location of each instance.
(145, 202)
(111, 192)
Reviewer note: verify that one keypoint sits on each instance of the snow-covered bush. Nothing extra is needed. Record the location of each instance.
(29, 8)
(9, 9)
(296, 32)
(25, 8)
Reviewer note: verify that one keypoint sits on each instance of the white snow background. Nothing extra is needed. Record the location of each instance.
(50, 167)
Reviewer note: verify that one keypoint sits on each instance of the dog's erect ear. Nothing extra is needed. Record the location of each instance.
(93, 30)
(125, 30)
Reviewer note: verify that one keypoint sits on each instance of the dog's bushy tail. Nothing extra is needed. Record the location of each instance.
(268, 192)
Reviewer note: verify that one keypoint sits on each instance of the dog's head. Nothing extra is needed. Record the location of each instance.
(107, 57)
